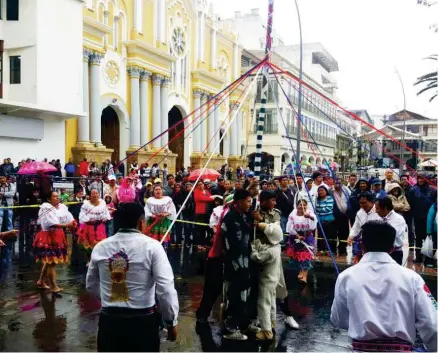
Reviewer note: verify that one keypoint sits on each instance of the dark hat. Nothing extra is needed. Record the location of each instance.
(267, 195)
(241, 194)
(316, 175)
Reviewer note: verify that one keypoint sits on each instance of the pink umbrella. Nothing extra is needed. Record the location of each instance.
(35, 167)
(208, 174)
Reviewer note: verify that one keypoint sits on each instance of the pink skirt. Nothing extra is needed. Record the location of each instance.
(90, 234)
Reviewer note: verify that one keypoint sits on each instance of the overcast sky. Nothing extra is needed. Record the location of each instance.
(369, 39)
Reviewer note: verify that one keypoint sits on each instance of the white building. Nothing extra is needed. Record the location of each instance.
(41, 83)
(319, 116)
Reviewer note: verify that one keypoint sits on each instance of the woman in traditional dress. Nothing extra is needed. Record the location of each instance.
(94, 213)
(301, 227)
(160, 212)
(50, 243)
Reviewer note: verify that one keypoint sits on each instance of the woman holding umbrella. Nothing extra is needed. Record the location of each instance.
(51, 243)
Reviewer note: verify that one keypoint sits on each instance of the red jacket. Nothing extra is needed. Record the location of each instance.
(83, 168)
(201, 200)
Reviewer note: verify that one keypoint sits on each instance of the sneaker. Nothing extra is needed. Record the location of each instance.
(290, 322)
(264, 336)
(236, 336)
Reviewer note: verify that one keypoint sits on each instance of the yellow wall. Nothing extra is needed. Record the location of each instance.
(71, 136)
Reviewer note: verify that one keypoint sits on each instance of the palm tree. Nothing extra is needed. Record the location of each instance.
(430, 80)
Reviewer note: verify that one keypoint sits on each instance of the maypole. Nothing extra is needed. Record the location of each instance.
(263, 95)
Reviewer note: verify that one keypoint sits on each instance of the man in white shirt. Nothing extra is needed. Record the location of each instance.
(385, 209)
(367, 212)
(380, 303)
(130, 271)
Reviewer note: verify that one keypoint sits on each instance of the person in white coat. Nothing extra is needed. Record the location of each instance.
(380, 303)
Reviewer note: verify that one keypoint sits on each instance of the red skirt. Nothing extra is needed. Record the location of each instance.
(51, 246)
(90, 234)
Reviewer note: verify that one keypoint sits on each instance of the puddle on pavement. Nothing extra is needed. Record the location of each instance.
(32, 320)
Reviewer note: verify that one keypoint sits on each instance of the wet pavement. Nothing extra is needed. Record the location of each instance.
(33, 320)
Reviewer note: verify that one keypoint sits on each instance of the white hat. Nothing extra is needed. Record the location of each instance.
(111, 177)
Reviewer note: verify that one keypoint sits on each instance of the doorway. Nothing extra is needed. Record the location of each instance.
(111, 132)
(176, 145)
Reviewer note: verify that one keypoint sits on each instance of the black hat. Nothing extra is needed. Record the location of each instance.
(240, 194)
(267, 195)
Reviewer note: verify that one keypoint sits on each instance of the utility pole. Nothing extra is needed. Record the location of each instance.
(300, 87)
(263, 95)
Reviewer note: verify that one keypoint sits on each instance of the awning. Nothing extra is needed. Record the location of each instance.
(30, 110)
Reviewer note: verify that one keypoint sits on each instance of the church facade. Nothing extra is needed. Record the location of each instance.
(147, 65)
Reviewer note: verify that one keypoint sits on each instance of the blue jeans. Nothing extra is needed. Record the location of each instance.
(109, 227)
(6, 213)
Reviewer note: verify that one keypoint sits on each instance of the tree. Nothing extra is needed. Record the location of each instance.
(430, 80)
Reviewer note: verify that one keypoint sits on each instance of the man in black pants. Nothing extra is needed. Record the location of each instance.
(131, 271)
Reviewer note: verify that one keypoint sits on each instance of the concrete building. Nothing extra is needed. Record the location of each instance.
(416, 124)
(41, 76)
(281, 120)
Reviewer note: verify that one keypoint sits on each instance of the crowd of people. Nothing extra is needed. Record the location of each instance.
(242, 225)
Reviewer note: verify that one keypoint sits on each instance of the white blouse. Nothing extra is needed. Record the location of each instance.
(50, 215)
(91, 213)
(216, 215)
(164, 205)
(297, 223)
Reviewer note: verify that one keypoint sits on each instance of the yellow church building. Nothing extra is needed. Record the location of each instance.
(147, 64)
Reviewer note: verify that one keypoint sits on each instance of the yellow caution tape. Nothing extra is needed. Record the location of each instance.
(38, 206)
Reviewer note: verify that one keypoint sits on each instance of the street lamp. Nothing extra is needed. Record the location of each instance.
(403, 116)
(300, 85)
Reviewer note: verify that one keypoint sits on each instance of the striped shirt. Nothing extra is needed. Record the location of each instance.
(324, 209)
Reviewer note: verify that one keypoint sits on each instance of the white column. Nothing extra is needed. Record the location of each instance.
(156, 109)
(211, 127)
(84, 121)
(116, 32)
(199, 37)
(144, 107)
(233, 144)
(217, 124)
(235, 61)
(138, 15)
(134, 73)
(161, 20)
(105, 21)
(165, 110)
(226, 140)
(239, 132)
(203, 125)
(202, 38)
(213, 48)
(156, 21)
(197, 132)
(95, 108)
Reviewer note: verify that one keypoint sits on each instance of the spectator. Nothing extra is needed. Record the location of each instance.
(406, 186)
(420, 198)
(178, 197)
(317, 182)
(340, 195)
(219, 189)
(352, 179)
(432, 230)
(398, 198)
(165, 173)
(228, 188)
(326, 217)
(83, 167)
(361, 187)
(70, 168)
(111, 189)
(7, 194)
(170, 185)
(155, 170)
(376, 185)
(285, 202)
(388, 178)
(202, 199)
(189, 214)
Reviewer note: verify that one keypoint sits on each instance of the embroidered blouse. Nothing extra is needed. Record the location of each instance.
(92, 213)
(297, 224)
(50, 215)
(156, 206)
